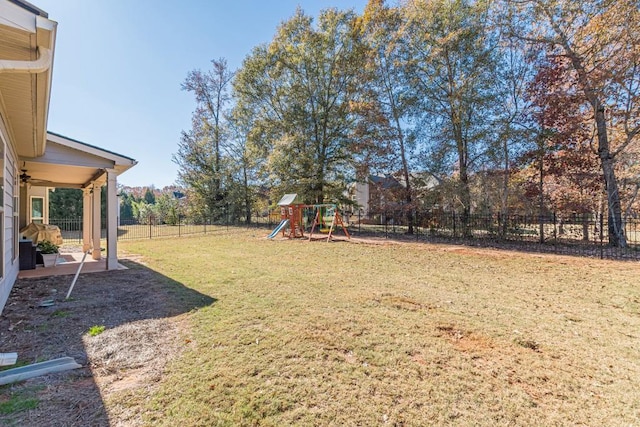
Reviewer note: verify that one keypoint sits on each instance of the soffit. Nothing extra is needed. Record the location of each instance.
(24, 97)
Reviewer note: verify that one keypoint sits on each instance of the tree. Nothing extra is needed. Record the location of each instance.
(149, 196)
(200, 150)
(167, 209)
(568, 178)
(247, 158)
(65, 203)
(301, 87)
(143, 211)
(452, 61)
(126, 205)
(388, 98)
(513, 134)
(601, 42)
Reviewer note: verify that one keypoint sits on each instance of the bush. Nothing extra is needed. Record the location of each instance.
(46, 247)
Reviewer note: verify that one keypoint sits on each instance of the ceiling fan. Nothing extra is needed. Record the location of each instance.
(25, 178)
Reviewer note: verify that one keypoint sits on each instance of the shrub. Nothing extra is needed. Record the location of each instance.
(47, 247)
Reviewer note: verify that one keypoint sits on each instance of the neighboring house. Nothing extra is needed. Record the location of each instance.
(368, 197)
(32, 159)
(385, 193)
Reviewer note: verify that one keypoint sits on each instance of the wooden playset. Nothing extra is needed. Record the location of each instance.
(326, 219)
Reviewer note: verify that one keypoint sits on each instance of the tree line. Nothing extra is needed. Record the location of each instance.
(139, 204)
(473, 106)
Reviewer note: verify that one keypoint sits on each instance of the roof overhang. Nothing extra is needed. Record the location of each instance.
(26, 66)
(69, 163)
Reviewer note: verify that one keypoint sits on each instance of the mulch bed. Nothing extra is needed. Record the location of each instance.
(139, 309)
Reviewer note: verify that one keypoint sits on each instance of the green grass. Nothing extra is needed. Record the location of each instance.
(19, 401)
(353, 334)
(95, 330)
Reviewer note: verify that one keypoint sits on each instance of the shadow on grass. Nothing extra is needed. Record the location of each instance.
(136, 307)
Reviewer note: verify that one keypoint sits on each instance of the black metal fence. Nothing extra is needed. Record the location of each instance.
(583, 235)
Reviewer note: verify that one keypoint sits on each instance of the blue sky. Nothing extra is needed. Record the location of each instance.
(119, 65)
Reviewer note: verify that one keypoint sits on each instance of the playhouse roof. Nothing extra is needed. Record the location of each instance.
(289, 199)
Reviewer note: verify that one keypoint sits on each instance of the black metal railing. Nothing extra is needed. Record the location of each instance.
(584, 235)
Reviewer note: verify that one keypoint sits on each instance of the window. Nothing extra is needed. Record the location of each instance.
(37, 210)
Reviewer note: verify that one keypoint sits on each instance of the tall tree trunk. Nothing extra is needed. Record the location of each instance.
(541, 188)
(247, 197)
(465, 197)
(616, 226)
(463, 163)
(405, 171)
(504, 210)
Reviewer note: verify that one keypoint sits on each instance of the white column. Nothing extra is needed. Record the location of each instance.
(86, 219)
(96, 229)
(112, 220)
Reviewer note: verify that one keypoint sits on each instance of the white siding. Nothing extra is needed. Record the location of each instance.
(10, 265)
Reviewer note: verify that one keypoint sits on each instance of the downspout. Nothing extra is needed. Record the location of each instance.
(40, 65)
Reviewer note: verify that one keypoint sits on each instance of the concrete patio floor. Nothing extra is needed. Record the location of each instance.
(68, 263)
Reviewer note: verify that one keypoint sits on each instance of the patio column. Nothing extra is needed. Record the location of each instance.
(112, 220)
(86, 219)
(96, 228)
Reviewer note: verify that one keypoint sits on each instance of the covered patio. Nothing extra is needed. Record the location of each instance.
(68, 263)
(68, 163)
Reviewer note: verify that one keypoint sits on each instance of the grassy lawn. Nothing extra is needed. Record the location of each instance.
(399, 334)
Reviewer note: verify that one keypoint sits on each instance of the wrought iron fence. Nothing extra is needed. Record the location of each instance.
(571, 234)
(150, 228)
(584, 235)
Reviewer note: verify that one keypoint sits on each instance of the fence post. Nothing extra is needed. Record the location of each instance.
(149, 219)
(555, 232)
(393, 218)
(454, 223)
(386, 226)
(179, 226)
(601, 235)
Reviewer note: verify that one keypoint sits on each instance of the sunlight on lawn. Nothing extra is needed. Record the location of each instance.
(367, 334)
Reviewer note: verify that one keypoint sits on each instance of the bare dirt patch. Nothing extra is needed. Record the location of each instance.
(141, 312)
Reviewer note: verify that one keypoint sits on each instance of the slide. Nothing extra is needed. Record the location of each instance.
(279, 228)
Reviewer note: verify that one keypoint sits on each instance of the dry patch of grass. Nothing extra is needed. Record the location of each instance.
(357, 334)
(128, 362)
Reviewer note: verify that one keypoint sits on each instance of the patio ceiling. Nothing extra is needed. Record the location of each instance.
(69, 163)
(27, 35)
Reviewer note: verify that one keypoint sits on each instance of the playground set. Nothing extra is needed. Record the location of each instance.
(293, 214)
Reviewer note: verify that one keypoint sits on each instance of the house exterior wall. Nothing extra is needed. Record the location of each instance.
(362, 198)
(10, 202)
